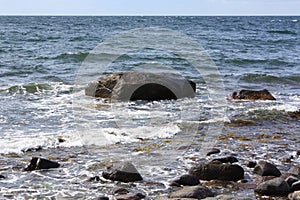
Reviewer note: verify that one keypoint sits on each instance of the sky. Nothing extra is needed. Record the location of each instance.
(149, 7)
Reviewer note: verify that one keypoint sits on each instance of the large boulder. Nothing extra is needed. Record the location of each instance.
(251, 95)
(131, 86)
(216, 171)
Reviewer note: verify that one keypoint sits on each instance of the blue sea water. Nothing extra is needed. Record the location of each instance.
(41, 59)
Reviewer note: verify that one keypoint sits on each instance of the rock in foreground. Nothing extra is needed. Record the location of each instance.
(273, 187)
(215, 171)
(251, 95)
(264, 168)
(196, 192)
(41, 163)
(124, 172)
(131, 86)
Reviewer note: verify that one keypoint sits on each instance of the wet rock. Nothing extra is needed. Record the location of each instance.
(213, 171)
(102, 198)
(120, 190)
(295, 114)
(294, 170)
(251, 164)
(295, 195)
(124, 172)
(94, 178)
(264, 168)
(228, 197)
(186, 180)
(33, 149)
(41, 163)
(295, 186)
(137, 196)
(273, 187)
(291, 179)
(196, 192)
(229, 159)
(2, 177)
(133, 86)
(213, 151)
(251, 95)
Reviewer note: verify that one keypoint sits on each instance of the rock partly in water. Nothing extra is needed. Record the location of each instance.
(124, 172)
(273, 187)
(295, 195)
(131, 86)
(214, 171)
(213, 151)
(295, 114)
(291, 179)
(196, 192)
(251, 164)
(41, 163)
(264, 168)
(186, 180)
(2, 177)
(251, 95)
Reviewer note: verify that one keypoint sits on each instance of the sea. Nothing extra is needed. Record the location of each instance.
(47, 61)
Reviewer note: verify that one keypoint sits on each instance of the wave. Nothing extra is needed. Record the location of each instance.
(273, 62)
(264, 78)
(282, 32)
(77, 56)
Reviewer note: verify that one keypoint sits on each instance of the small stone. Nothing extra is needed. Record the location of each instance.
(213, 151)
(41, 163)
(295, 195)
(295, 186)
(273, 187)
(102, 198)
(124, 172)
(251, 164)
(294, 170)
(264, 168)
(197, 192)
(94, 178)
(229, 159)
(291, 179)
(213, 171)
(187, 180)
(120, 190)
(2, 177)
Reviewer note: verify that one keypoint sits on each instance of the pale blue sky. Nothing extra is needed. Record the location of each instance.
(149, 7)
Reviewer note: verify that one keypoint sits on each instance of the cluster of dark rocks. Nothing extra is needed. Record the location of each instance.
(269, 180)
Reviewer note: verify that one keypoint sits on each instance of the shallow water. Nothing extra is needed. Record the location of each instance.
(42, 99)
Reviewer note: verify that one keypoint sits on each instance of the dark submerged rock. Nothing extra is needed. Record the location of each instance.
(213, 151)
(264, 168)
(273, 187)
(133, 86)
(41, 163)
(251, 95)
(124, 172)
(214, 171)
(196, 192)
(2, 177)
(186, 180)
(229, 159)
(137, 196)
